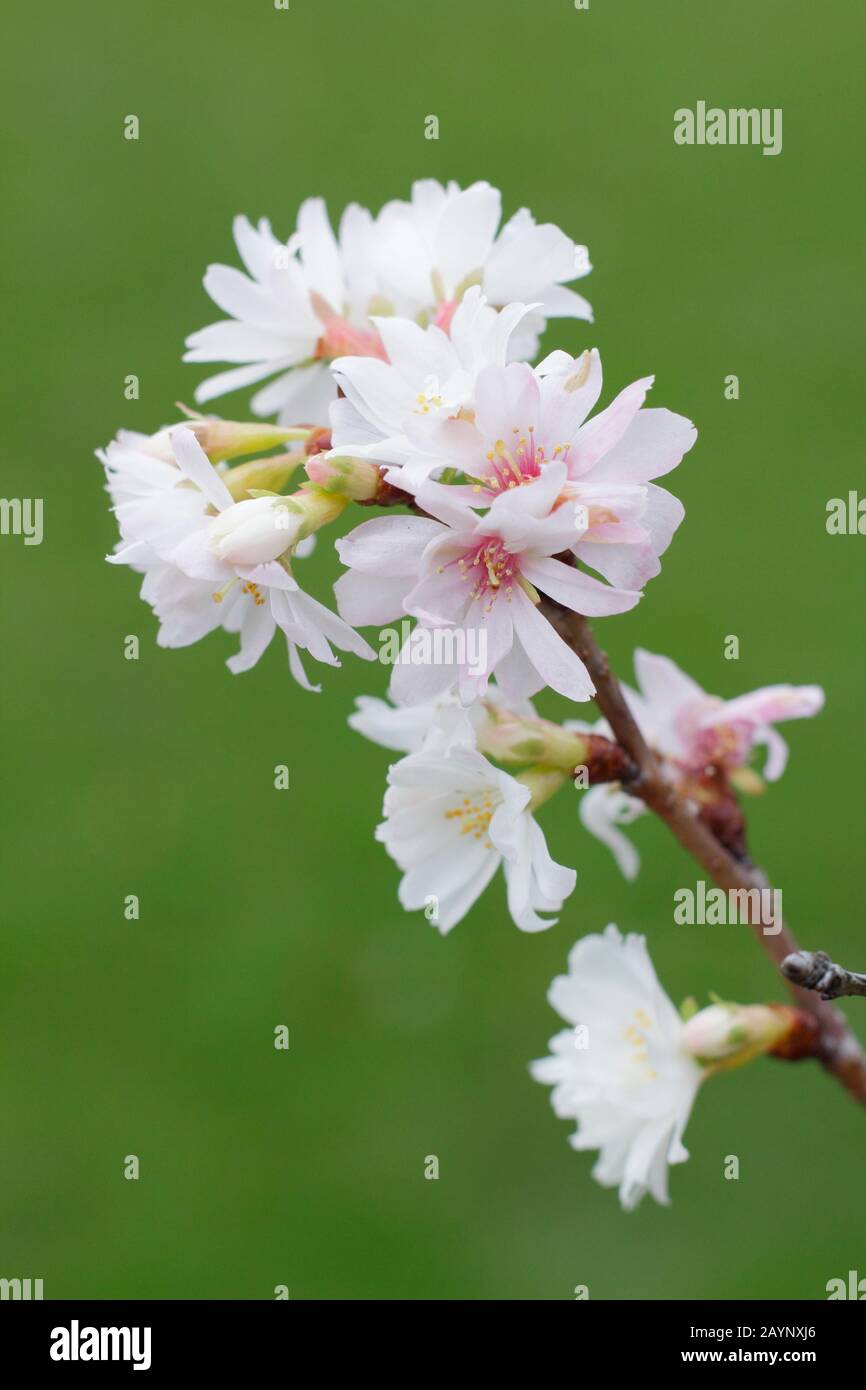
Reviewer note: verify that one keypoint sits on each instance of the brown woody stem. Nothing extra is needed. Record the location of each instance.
(815, 970)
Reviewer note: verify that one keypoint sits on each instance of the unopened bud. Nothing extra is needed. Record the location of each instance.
(229, 439)
(511, 739)
(223, 439)
(261, 475)
(264, 528)
(255, 531)
(727, 1035)
(354, 479)
(316, 507)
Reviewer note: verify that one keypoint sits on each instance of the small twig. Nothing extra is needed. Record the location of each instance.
(815, 970)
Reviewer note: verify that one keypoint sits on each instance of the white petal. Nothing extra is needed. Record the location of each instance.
(236, 379)
(465, 234)
(527, 261)
(230, 341)
(654, 443)
(555, 662)
(195, 464)
(243, 299)
(390, 545)
(366, 600)
(605, 430)
(663, 685)
(256, 632)
(320, 253)
(602, 810)
(575, 590)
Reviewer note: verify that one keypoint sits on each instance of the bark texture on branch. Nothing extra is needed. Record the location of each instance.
(815, 970)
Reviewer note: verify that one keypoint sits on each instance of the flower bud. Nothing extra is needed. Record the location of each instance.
(316, 506)
(727, 1035)
(347, 477)
(228, 439)
(261, 475)
(510, 739)
(224, 439)
(260, 529)
(254, 531)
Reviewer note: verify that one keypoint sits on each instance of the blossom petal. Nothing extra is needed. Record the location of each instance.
(520, 264)
(195, 465)
(575, 590)
(555, 662)
(365, 600)
(465, 233)
(391, 545)
(605, 430)
(662, 682)
(256, 632)
(654, 443)
(319, 252)
(603, 809)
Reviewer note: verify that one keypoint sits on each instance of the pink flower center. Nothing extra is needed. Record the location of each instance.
(521, 461)
(723, 746)
(490, 569)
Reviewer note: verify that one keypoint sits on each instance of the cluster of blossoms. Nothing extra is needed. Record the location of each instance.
(397, 356)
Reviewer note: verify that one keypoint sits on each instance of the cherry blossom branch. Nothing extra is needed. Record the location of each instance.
(836, 1047)
(815, 970)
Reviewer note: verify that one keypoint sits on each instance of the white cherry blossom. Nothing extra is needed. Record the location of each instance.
(319, 296)
(452, 819)
(621, 1069)
(212, 562)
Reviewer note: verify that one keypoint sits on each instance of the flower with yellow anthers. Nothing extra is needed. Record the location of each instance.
(409, 411)
(621, 1069)
(210, 561)
(430, 398)
(480, 577)
(320, 296)
(451, 819)
(499, 426)
(628, 1067)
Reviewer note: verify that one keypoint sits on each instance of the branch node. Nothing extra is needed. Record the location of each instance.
(815, 970)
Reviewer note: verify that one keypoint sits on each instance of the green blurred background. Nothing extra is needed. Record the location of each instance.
(155, 777)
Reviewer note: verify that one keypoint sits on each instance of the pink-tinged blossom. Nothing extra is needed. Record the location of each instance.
(697, 731)
(480, 577)
(316, 297)
(697, 735)
(440, 404)
(211, 562)
(302, 303)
